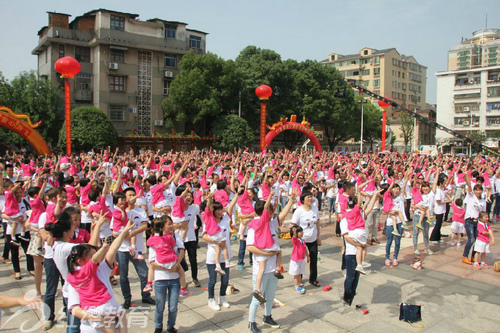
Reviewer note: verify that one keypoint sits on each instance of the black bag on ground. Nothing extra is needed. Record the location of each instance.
(410, 313)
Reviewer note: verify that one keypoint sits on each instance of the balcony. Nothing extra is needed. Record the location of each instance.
(83, 95)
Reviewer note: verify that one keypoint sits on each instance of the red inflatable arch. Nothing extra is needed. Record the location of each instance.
(11, 120)
(293, 126)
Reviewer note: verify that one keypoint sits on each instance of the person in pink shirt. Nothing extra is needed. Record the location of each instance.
(357, 231)
(83, 263)
(484, 238)
(178, 208)
(221, 194)
(213, 230)
(159, 200)
(457, 224)
(35, 195)
(11, 212)
(81, 236)
(69, 186)
(297, 260)
(388, 207)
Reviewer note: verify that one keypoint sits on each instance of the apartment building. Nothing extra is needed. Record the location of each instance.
(387, 73)
(127, 64)
(468, 96)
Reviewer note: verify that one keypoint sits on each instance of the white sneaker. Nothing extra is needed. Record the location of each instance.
(220, 271)
(224, 302)
(452, 243)
(459, 244)
(212, 303)
(360, 269)
(230, 264)
(429, 252)
(366, 264)
(417, 252)
(344, 272)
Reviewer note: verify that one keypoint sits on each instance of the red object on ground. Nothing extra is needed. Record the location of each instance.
(327, 288)
(365, 311)
(115, 270)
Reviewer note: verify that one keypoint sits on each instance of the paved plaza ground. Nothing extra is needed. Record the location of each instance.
(455, 297)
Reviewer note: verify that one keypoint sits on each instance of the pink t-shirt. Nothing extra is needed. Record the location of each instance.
(265, 191)
(299, 249)
(84, 194)
(178, 207)
(157, 193)
(211, 226)
(197, 197)
(343, 203)
(354, 218)
(119, 219)
(480, 228)
(222, 197)
(245, 204)
(11, 204)
(388, 202)
(91, 289)
(50, 212)
(100, 207)
(164, 248)
(37, 208)
(263, 237)
(458, 213)
(72, 197)
(81, 236)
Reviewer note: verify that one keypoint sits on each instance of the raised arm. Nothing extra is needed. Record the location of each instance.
(115, 246)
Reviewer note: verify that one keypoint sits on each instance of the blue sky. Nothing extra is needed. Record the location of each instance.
(307, 29)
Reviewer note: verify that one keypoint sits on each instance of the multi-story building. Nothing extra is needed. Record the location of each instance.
(387, 73)
(468, 93)
(127, 64)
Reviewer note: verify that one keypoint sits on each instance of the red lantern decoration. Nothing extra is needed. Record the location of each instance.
(263, 92)
(68, 67)
(383, 104)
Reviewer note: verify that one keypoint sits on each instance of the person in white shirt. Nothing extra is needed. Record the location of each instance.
(440, 202)
(474, 204)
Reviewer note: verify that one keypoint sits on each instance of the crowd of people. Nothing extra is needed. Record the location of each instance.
(84, 218)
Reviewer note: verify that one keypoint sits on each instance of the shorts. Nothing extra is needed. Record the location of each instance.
(273, 248)
(161, 204)
(178, 220)
(481, 246)
(219, 236)
(358, 235)
(297, 267)
(331, 204)
(168, 265)
(109, 308)
(9, 217)
(457, 228)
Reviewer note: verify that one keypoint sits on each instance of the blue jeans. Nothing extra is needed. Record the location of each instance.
(496, 208)
(52, 276)
(283, 202)
(351, 279)
(123, 259)
(471, 229)
(72, 322)
(416, 231)
(241, 253)
(161, 287)
(268, 288)
(212, 280)
(397, 240)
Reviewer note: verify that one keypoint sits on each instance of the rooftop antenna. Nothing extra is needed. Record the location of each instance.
(486, 20)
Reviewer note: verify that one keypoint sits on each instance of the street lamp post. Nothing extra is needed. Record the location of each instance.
(362, 101)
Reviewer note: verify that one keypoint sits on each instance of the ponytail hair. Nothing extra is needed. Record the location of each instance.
(60, 226)
(78, 252)
(157, 226)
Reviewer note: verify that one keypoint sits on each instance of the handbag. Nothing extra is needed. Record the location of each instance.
(410, 313)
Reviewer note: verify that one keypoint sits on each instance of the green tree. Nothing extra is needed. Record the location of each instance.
(90, 128)
(233, 132)
(372, 125)
(206, 88)
(39, 99)
(406, 128)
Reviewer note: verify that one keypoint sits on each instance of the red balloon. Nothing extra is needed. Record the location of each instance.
(384, 105)
(68, 67)
(263, 91)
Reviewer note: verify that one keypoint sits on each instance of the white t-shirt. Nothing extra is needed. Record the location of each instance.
(440, 196)
(61, 251)
(22, 210)
(307, 220)
(473, 206)
(49, 254)
(224, 226)
(344, 230)
(190, 213)
(138, 216)
(270, 261)
(427, 201)
(161, 274)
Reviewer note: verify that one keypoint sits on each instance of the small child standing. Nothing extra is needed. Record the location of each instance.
(457, 224)
(178, 208)
(484, 238)
(120, 221)
(11, 211)
(357, 231)
(297, 260)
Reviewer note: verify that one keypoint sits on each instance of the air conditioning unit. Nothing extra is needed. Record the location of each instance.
(169, 74)
(466, 109)
(465, 123)
(113, 65)
(132, 110)
(158, 122)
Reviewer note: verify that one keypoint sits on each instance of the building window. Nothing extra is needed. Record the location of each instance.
(116, 112)
(116, 83)
(376, 83)
(415, 67)
(82, 54)
(170, 60)
(195, 42)
(492, 107)
(365, 72)
(415, 77)
(365, 52)
(117, 56)
(166, 87)
(376, 60)
(62, 51)
(117, 23)
(170, 31)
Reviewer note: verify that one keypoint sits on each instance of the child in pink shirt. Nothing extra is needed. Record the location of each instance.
(12, 213)
(37, 208)
(71, 191)
(159, 200)
(357, 231)
(457, 224)
(484, 238)
(297, 260)
(178, 208)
